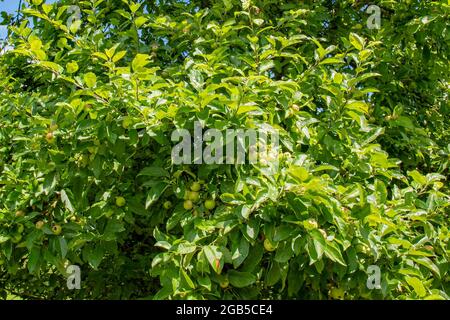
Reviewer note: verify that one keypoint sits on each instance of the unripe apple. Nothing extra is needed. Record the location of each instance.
(120, 201)
(84, 160)
(224, 283)
(56, 229)
(268, 245)
(337, 293)
(196, 186)
(16, 238)
(167, 205)
(193, 196)
(126, 122)
(20, 213)
(49, 137)
(20, 228)
(188, 204)
(310, 224)
(295, 107)
(40, 225)
(210, 204)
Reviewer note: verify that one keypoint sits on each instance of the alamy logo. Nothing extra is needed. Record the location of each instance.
(374, 20)
(374, 279)
(232, 146)
(75, 16)
(74, 277)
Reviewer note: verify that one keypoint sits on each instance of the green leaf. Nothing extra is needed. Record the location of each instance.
(240, 253)
(381, 192)
(300, 173)
(214, 257)
(434, 297)
(62, 247)
(273, 275)
(317, 246)
(154, 193)
(52, 66)
(426, 262)
(283, 253)
(245, 4)
(283, 232)
(204, 282)
(266, 65)
(119, 55)
(140, 21)
(228, 4)
(196, 78)
(3, 238)
(417, 285)
(35, 43)
(356, 41)
(154, 171)
(33, 259)
(47, 8)
(66, 201)
(75, 26)
(331, 61)
(333, 252)
(187, 279)
(418, 177)
(294, 281)
(112, 227)
(94, 254)
(140, 61)
(358, 106)
(241, 279)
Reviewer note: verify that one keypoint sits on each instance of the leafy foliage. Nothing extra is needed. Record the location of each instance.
(88, 107)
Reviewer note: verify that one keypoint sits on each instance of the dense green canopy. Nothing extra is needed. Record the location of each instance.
(92, 91)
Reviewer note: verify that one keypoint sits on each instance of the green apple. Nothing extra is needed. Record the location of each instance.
(167, 205)
(224, 283)
(193, 196)
(188, 204)
(16, 238)
(20, 213)
(49, 137)
(337, 293)
(120, 201)
(126, 122)
(56, 229)
(196, 186)
(269, 246)
(210, 204)
(40, 224)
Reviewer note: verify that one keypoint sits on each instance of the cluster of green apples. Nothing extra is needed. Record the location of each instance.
(193, 197)
(56, 228)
